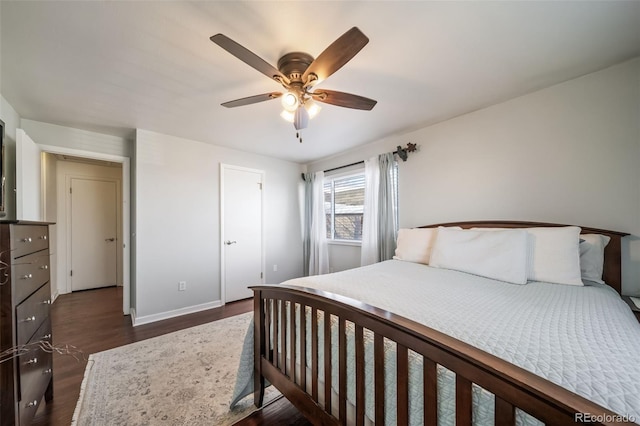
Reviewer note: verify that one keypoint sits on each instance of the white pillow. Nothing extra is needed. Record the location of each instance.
(414, 245)
(554, 255)
(592, 256)
(501, 255)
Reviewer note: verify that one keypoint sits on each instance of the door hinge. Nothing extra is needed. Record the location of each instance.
(260, 183)
(261, 274)
(70, 190)
(71, 272)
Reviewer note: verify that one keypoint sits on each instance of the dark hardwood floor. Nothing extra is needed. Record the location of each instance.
(92, 321)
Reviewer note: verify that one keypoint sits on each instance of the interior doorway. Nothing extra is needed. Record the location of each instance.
(60, 166)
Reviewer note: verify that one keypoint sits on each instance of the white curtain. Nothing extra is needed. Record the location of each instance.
(369, 248)
(387, 207)
(379, 224)
(307, 208)
(318, 247)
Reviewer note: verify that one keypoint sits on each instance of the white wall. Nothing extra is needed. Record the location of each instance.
(567, 154)
(177, 235)
(49, 168)
(49, 172)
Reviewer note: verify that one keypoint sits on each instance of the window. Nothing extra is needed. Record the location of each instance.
(344, 206)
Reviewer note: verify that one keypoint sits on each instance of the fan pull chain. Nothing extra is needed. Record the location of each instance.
(299, 137)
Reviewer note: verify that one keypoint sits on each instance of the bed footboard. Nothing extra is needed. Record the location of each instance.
(283, 338)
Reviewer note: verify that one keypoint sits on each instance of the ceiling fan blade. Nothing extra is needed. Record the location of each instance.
(343, 99)
(252, 99)
(248, 57)
(335, 56)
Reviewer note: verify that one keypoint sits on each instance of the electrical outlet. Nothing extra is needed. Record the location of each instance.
(182, 286)
(275, 268)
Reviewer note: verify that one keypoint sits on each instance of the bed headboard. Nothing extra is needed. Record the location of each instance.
(612, 274)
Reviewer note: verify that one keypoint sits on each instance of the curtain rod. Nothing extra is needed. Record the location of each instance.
(400, 152)
(345, 166)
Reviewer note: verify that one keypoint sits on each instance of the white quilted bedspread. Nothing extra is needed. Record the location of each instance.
(585, 339)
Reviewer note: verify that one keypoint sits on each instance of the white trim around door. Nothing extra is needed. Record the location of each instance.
(223, 168)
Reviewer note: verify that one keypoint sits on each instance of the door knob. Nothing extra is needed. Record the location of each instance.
(110, 239)
(228, 242)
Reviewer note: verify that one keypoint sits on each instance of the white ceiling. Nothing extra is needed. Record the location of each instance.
(114, 66)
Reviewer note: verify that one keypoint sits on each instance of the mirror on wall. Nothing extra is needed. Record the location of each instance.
(2, 203)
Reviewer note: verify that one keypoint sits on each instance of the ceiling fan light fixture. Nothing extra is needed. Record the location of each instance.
(312, 108)
(288, 115)
(290, 101)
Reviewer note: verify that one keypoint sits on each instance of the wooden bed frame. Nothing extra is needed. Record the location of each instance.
(513, 387)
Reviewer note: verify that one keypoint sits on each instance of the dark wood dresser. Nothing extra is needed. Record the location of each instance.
(25, 299)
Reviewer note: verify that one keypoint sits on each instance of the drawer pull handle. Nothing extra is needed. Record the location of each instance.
(43, 237)
(44, 267)
(46, 336)
(27, 277)
(32, 361)
(47, 371)
(26, 240)
(47, 302)
(32, 403)
(31, 318)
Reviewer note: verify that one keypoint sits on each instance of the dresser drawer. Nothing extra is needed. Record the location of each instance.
(31, 313)
(29, 273)
(34, 367)
(35, 375)
(27, 408)
(27, 239)
(43, 333)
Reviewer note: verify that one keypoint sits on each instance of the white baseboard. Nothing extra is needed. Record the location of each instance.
(146, 319)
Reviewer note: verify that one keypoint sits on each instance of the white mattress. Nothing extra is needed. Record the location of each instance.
(585, 339)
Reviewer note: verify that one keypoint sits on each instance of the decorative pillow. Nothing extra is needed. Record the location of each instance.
(414, 245)
(554, 255)
(501, 255)
(592, 256)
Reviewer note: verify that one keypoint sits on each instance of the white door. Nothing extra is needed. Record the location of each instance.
(28, 178)
(242, 257)
(93, 233)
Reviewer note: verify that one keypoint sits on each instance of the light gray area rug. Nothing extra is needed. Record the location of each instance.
(182, 378)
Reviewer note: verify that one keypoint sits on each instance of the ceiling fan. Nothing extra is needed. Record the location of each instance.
(299, 73)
